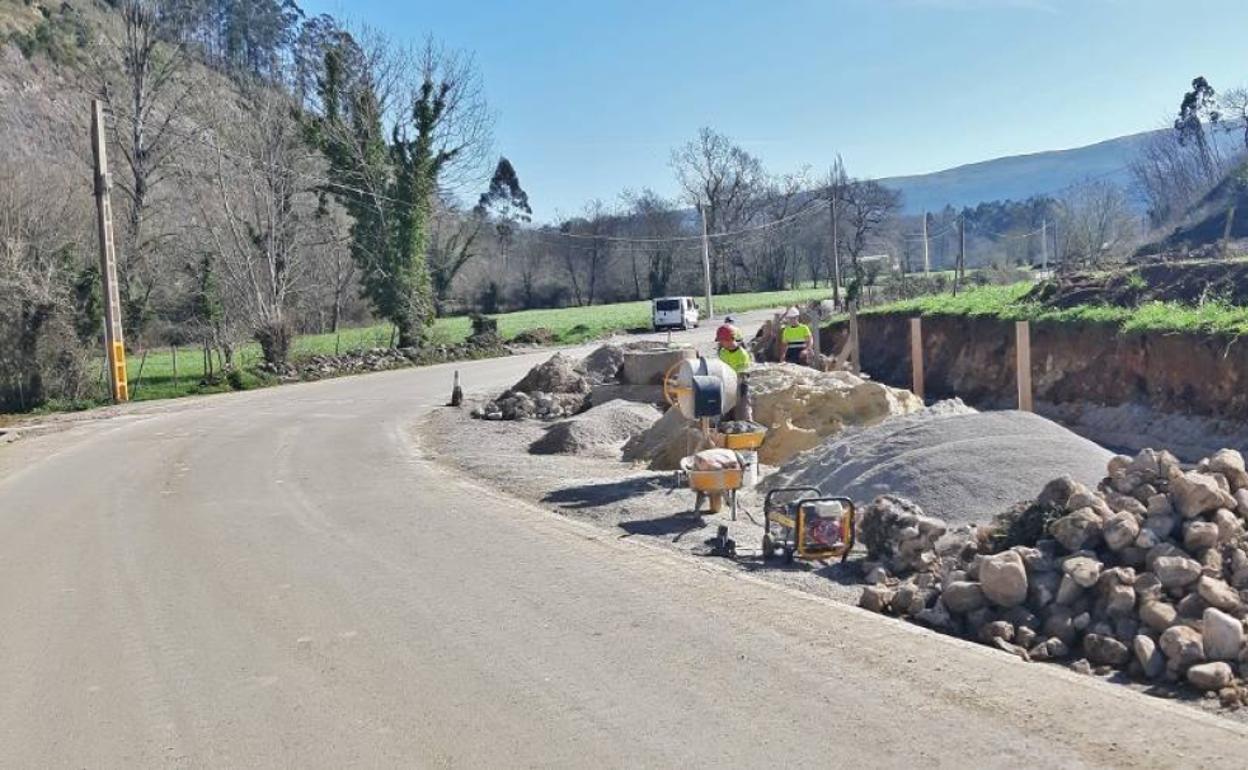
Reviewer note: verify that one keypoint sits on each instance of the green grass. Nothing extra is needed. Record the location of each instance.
(1006, 303)
(153, 377)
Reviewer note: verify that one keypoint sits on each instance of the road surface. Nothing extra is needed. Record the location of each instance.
(282, 578)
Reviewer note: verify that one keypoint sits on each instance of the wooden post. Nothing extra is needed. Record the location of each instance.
(114, 341)
(927, 258)
(854, 352)
(1022, 347)
(916, 355)
(175, 365)
(706, 266)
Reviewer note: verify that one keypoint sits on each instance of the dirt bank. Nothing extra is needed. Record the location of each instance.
(1160, 375)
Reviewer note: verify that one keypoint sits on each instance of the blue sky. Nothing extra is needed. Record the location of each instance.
(590, 97)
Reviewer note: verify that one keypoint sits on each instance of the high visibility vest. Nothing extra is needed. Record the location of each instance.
(795, 336)
(738, 359)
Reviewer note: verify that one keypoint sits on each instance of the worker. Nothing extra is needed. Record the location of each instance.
(796, 339)
(733, 353)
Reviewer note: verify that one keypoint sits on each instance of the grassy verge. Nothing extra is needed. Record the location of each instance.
(1007, 303)
(153, 376)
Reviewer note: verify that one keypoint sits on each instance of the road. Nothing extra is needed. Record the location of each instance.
(282, 578)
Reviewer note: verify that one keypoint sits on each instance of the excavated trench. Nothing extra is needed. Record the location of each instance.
(1127, 390)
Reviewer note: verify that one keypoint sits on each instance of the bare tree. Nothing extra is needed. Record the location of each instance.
(1169, 175)
(1235, 102)
(586, 258)
(261, 220)
(867, 206)
(652, 219)
(454, 239)
(726, 182)
(1096, 223)
(141, 76)
(776, 259)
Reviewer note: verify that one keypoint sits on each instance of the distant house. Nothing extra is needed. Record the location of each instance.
(886, 262)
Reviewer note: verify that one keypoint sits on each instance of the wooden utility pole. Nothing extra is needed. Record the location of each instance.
(927, 260)
(706, 264)
(114, 341)
(1044, 245)
(855, 351)
(916, 355)
(960, 266)
(836, 251)
(1022, 348)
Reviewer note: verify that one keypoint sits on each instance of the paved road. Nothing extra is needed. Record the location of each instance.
(282, 578)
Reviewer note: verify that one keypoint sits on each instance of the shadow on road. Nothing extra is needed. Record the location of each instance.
(607, 492)
(678, 524)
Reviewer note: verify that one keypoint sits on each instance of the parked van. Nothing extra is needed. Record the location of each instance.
(675, 313)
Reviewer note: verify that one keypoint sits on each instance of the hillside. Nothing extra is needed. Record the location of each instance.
(1018, 177)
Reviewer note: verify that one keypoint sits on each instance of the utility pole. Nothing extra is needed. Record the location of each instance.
(836, 250)
(114, 341)
(959, 269)
(706, 264)
(1044, 245)
(927, 260)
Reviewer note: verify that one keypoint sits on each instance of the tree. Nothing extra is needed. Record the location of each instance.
(141, 79)
(389, 190)
(507, 204)
(1235, 101)
(263, 215)
(777, 259)
(834, 193)
(867, 206)
(1096, 223)
(653, 220)
(453, 241)
(726, 182)
(1198, 107)
(586, 258)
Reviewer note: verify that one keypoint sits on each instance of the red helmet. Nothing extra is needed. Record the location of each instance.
(726, 333)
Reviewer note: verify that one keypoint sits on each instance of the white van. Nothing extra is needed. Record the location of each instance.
(675, 313)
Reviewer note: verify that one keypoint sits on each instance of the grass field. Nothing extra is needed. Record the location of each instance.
(1007, 303)
(152, 377)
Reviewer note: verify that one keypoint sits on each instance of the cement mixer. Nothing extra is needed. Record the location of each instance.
(702, 388)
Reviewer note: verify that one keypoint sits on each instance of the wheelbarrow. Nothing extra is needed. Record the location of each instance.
(713, 485)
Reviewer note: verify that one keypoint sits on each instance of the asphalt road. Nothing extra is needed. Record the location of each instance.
(282, 578)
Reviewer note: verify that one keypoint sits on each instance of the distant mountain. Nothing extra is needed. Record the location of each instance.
(1018, 177)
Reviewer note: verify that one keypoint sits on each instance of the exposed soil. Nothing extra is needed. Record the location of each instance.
(1188, 283)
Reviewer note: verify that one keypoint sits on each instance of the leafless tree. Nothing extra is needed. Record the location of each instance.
(1096, 222)
(726, 182)
(651, 219)
(261, 218)
(867, 206)
(1170, 175)
(1234, 102)
(454, 239)
(587, 258)
(142, 77)
(776, 250)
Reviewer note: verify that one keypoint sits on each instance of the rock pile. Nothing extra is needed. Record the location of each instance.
(600, 432)
(321, 366)
(552, 390)
(1146, 573)
(802, 406)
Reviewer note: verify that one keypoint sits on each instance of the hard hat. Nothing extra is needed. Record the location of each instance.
(727, 333)
(729, 320)
(792, 313)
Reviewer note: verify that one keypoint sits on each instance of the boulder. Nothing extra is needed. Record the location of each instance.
(1119, 601)
(897, 533)
(1230, 464)
(1195, 493)
(1159, 505)
(1222, 634)
(1158, 615)
(1105, 650)
(963, 596)
(1058, 491)
(1198, 535)
(1218, 594)
(1230, 528)
(1182, 645)
(1084, 570)
(876, 598)
(1176, 571)
(1003, 578)
(1210, 676)
(1151, 659)
(1120, 530)
(1078, 530)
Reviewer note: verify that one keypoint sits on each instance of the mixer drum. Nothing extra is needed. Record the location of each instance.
(707, 387)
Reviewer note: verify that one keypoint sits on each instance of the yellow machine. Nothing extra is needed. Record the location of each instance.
(806, 524)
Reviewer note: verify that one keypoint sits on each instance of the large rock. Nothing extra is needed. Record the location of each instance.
(1105, 650)
(1003, 578)
(1176, 571)
(1223, 635)
(1196, 493)
(1158, 615)
(1230, 464)
(876, 598)
(895, 532)
(1198, 535)
(1210, 676)
(963, 596)
(1152, 661)
(1084, 570)
(1079, 530)
(1218, 594)
(1120, 530)
(1182, 645)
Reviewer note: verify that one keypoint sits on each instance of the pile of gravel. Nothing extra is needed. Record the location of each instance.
(601, 431)
(957, 464)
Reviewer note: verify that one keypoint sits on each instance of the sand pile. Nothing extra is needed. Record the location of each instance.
(802, 406)
(955, 463)
(665, 443)
(599, 432)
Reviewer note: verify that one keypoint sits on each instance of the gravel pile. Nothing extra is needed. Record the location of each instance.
(665, 443)
(599, 432)
(1146, 573)
(552, 390)
(956, 463)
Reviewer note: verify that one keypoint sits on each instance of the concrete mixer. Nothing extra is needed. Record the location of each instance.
(702, 388)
